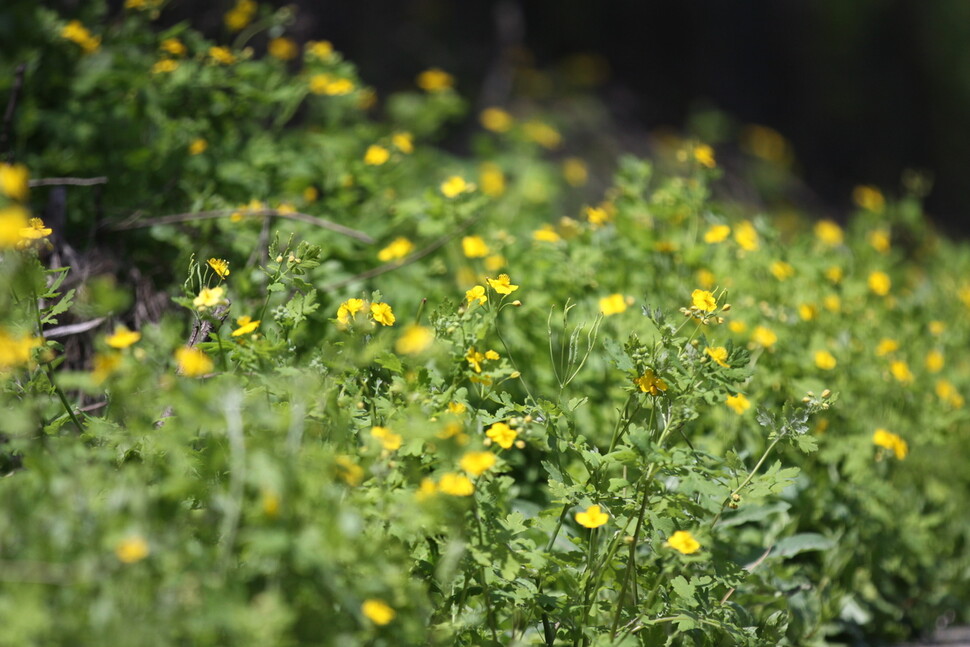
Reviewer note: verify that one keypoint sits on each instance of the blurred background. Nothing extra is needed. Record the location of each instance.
(840, 93)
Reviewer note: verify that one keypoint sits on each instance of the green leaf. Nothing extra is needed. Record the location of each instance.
(801, 543)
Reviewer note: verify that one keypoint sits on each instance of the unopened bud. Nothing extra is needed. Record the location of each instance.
(487, 442)
(735, 497)
(517, 303)
(726, 308)
(528, 418)
(279, 259)
(520, 444)
(291, 258)
(806, 399)
(360, 405)
(826, 394)
(298, 261)
(515, 375)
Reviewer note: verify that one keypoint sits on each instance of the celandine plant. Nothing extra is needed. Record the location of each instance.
(379, 395)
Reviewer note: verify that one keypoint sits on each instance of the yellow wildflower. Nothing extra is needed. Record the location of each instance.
(501, 434)
(782, 270)
(132, 549)
(321, 50)
(457, 408)
(575, 172)
(456, 484)
(173, 46)
(746, 236)
(934, 361)
(879, 283)
(209, 297)
(717, 353)
(706, 278)
(717, 234)
(382, 314)
(949, 394)
(122, 337)
(339, 87)
(426, 490)
(222, 55)
(270, 503)
(502, 284)
(376, 155)
(613, 304)
(684, 542)
(475, 359)
(404, 142)
(454, 186)
(737, 327)
(893, 442)
(597, 216)
(351, 473)
(879, 240)
(936, 328)
(414, 340)
(495, 262)
(477, 293)
(377, 611)
(832, 303)
(764, 336)
(16, 351)
(77, 33)
(35, 230)
(165, 66)
(546, 234)
(496, 120)
(592, 517)
(14, 181)
(650, 383)
(348, 310)
(219, 266)
(807, 311)
(193, 362)
(738, 403)
(825, 360)
(477, 463)
(705, 155)
(240, 15)
(103, 365)
(390, 441)
(246, 326)
(834, 274)
(886, 346)
(869, 198)
(396, 249)
(542, 134)
(900, 371)
(435, 80)
(829, 232)
(492, 179)
(285, 49)
(474, 247)
(198, 146)
(703, 300)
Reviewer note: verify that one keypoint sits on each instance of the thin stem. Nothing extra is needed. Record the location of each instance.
(749, 477)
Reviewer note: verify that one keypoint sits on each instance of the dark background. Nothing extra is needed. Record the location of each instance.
(862, 89)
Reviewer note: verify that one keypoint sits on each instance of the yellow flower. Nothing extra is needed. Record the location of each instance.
(397, 249)
(435, 80)
(476, 293)
(283, 48)
(592, 517)
(219, 266)
(501, 434)
(886, 346)
(719, 354)
(240, 15)
(936, 328)
(502, 284)
(426, 490)
(706, 278)
(879, 283)
(737, 327)
(834, 274)
(746, 236)
(475, 359)
(705, 155)
(348, 310)
(198, 146)
(454, 185)
(900, 371)
(893, 442)
(474, 247)
(222, 55)
(879, 240)
(270, 502)
(738, 403)
(613, 304)
(77, 33)
(456, 484)
(575, 171)
(377, 611)
(338, 87)
(132, 549)
(457, 408)
(16, 351)
(807, 311)
(949, 394)
(14, 181)
(650, 383)
(934, 361)
(869, 198)
(829, 232)
(414, 340)
(546, 234)
(193, 362)
(246, 326)
(683, 542)
(35, 230)
(764, 336)
(351, 473)
(390, 441)
(825, 360)
(703, 300)
(597, 216)
(542, 134)
(122, 337)
(376, 155)
(495, 262)
(165, 66)
(477, 463)
(496, 120)
(492, 179)
(832, 303)
(404, 142)
(782, 270)
(717, 234)
(173, 46)
(321, 50)
(382, 314)
(103, 365)
(209, 297)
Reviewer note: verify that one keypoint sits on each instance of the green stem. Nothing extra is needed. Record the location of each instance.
(749, 477)
(63, 399)
(489, 612)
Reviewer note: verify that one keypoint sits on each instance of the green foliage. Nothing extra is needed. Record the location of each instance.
(438, 413)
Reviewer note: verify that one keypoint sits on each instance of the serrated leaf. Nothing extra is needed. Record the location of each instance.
(683, 589)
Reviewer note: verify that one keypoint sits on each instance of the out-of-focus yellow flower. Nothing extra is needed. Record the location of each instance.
(782, 270)
(738, 403)
(477, 463)
(474, 247)
(704, 155)
(222, 55)
(717, 234)
(132, 549)
(165, 66)
(546, 234)
(404, 142)
(879, 283)
(414, 340)
(766, 143)
(14, 181)
(395, 250)
(542, 134)
(209, 297)
(764, 336)
(893, 442)
(456, 484)
(934, 361)
(949, 394)
(350, 472)
(389, 440)
(901, 372)
(285, 49)
(16, 350)
(77, 33)
(869, 198)
(376, 155)
(377, 611)
(886, 346)
(879, 240)
(834, 274)
(198, 146)
(13, 219)
(492, 179)
(614, 304)
(193, 362)
(597, 216)
(592, 517)
(825, 360)
(322, 50)
(173, 46)
(746, 236)
(829, 232)
(240, 15)
(454, 186)
(435, 80)
(496, 119)
(683, 542)
(807, 311)
(246, 326)
(575, 171)
(122, 337)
